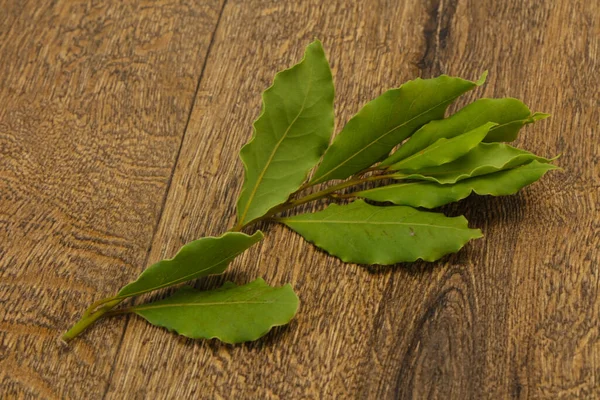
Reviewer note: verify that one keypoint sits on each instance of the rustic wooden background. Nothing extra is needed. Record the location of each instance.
(120, 123)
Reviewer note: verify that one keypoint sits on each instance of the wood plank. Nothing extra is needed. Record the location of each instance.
(512, 315)
(94, 102)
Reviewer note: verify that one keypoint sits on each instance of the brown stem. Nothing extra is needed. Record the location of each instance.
(120, 311)
(316, 196)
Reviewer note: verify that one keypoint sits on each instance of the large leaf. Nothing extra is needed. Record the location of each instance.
(366, 234)
(486, 158)
(290, 135)
(386, 121)
(202, 257)
(444, 150)
(232, 314)
(509, 114)
(432, 194)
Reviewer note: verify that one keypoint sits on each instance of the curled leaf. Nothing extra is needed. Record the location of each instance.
(509, 114)
(364, 234)
(386, 121)
(444, 150)
(485, 158)
(432, 194)
(290, 135)
(232, 314)
(508, 131)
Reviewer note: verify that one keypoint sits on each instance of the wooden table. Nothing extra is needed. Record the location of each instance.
(120, 124)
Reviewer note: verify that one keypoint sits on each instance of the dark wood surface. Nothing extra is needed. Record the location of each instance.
(120, 124)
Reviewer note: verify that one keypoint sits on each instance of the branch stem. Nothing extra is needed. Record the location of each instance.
(88, 320)
(104, 307)
(90, 310)
(317, 196)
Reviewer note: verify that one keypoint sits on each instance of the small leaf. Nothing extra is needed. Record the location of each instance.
(366, 234)
(202, 257)
(484, 159)
(444, 150)
(432, 194)
(290, 135)
(510, 115)
(386, 121)
(232, 314)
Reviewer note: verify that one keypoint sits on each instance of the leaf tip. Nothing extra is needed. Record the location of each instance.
(538, 116)
(553, 167)
(489, 125)
(477, 234)
(482, 78)
(316, 44)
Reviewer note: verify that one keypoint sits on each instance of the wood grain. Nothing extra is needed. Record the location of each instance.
(94, 102)
(90, 131)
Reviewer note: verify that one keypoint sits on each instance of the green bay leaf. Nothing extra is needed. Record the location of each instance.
(232, 314)
(509, 114)
(386, 121)
(485, 158)
(202, 257)
(432, 194)
(444, 150)
(365, 234)
(290, 135)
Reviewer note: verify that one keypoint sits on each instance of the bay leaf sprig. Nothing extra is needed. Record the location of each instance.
(401, 142)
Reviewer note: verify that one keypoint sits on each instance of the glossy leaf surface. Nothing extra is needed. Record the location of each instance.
(444, 150)
(232, 314)
(202, 257)
(432, 194)
(386, 121)
(509, 114)
(486, 158)
(361, 233)
(290, 135)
